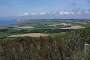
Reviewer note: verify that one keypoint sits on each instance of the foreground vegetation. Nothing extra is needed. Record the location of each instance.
(59, 46)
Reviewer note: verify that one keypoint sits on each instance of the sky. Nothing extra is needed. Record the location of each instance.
(32, 7)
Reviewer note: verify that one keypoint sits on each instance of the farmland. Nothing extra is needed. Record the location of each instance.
(47, 40)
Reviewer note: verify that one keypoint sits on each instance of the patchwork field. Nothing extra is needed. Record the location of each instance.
(30, 35)
(51, 40)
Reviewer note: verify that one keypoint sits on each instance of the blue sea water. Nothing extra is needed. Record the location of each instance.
(6, 21)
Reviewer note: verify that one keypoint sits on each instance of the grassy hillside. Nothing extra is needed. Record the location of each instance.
(57, 46)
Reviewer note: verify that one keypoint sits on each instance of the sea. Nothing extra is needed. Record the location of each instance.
(7, 21)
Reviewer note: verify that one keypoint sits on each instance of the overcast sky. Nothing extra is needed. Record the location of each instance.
(26, 7)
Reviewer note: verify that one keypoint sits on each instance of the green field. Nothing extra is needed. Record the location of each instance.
(44, 42)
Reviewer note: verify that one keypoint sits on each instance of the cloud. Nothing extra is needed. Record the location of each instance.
(23, 14)
(74, 12)
(38, 13)
(43, 13)
(56, 12)
(66, 12)
(26, 13)
(32, 13)
(86, 12)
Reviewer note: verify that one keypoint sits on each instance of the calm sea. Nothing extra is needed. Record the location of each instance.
(4, 21)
